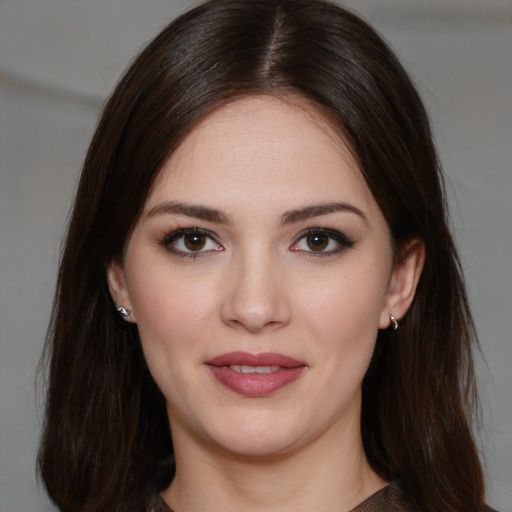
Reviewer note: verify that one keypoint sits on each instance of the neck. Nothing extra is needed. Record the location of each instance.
(322, 475)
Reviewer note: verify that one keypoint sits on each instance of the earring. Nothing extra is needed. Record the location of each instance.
(123, 311)
(394, 323)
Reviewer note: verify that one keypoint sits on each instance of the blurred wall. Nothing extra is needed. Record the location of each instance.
(60, 58)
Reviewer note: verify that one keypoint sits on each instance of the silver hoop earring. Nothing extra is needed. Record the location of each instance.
(123, 311)
(394, 323)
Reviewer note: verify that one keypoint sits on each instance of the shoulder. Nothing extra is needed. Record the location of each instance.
(151, 502)
(156, 504)
(393, 498)
(390, 498)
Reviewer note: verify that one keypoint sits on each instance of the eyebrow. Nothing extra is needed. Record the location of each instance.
(317, 210)
(189, 210)
(289, 217)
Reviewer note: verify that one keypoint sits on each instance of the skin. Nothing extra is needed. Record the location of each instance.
(257, 285)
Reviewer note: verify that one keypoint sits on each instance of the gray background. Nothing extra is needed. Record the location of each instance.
(60, 58)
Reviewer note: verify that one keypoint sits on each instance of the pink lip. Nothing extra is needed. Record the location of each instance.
(255, 384)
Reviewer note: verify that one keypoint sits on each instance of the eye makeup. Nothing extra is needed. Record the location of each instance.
(190, 242)
(193, 241)
(321, 242)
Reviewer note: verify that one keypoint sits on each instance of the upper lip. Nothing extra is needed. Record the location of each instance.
(261, 359)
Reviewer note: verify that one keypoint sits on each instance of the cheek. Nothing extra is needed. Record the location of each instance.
(173, 311)
(348, 303)
(343, 315)
(170, 326)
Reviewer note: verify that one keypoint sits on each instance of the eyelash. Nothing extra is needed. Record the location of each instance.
(172, 237)
(343, 242)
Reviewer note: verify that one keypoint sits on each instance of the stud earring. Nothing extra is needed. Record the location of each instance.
(394, 323)
(123, 311)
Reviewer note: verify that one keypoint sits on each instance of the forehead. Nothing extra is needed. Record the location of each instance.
(265, 148)
(269, 112)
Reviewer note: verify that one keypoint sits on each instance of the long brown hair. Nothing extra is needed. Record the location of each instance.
(106, 440)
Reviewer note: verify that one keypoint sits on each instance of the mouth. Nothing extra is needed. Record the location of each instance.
(255, 375)
(253, 369)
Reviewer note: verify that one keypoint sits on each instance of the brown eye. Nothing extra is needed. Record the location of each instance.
(191, 242)
(322, 242)
(317, 241)
(194, 241)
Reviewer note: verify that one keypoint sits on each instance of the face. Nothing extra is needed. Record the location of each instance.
(259, 274)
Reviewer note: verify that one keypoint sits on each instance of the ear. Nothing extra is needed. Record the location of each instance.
(116, 281)
(403, 282)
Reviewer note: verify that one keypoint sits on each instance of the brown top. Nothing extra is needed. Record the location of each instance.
(390, 498)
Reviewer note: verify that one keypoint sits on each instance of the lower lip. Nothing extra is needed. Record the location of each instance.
(255, 384)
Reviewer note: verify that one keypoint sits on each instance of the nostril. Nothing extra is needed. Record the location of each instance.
(254, 325)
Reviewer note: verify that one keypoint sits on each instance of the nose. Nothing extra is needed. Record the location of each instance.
(256, 299)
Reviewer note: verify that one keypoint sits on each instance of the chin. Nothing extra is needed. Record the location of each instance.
(253, 435)
(257, 447)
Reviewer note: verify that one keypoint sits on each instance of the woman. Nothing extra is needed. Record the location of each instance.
(262, 205)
